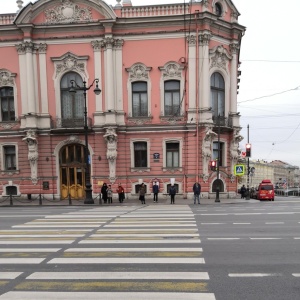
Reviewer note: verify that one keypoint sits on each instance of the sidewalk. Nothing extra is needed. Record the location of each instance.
(5, 202)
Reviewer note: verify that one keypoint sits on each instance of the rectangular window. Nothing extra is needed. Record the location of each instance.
(139, 99)
(9, 157)
(7, 104)
(172, 98)
(172, 155)
(140, 155)
(216, 152)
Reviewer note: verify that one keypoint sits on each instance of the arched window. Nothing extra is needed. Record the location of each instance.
(172, 98)
(72, 104)
(219, 9)
(217, 94)
(139, 99)
(7, 104)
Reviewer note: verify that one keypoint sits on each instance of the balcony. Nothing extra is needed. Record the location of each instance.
(71, 123)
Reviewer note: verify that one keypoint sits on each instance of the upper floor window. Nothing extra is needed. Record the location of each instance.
(72, 104)
(140, 155)
(217, 92)
(219, 9)
(172, 98)
(216, 152)
(139, 99)
(172, 155)
(7, 104)
(9, 157)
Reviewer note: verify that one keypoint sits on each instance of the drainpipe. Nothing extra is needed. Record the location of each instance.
(197, 99)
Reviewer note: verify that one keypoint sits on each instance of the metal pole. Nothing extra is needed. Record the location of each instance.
(218, 164)
(248, 170)
(88, 186)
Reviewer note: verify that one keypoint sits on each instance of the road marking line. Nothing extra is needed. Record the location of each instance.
(134, 250)
(107, 296)
(35, 242)
(151, 225)
(223, 238)
(213, 223)
(171, 241)
(296, 274)
(145, 235)
(30, 250)
(4, 261)
(265, 238)
(241, 223)
(273, 223)
(119, 275)
(253, 274)
(127, 260)
(10, 275)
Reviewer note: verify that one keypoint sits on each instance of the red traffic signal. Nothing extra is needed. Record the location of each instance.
(248, 150)
(213, 165)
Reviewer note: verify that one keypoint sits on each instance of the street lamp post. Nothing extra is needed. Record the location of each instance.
(218, 163)
(74, 88)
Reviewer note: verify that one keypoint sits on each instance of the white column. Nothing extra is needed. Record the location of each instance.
(192, 72)
(30, 78)
(233, 78)
(109, 78)
(43, 78)
(118, 74)
(204, 39)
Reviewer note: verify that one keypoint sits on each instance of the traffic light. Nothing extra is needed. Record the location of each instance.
(248, 150)
(213, 165)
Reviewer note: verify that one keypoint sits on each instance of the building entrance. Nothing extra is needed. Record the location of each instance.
(72, 171)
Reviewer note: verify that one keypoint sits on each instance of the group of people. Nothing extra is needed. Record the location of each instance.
(107, 193)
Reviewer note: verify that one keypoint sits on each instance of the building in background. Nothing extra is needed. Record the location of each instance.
(168, 106)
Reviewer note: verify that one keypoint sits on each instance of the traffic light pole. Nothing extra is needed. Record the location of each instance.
(248, 169)
(218, 164)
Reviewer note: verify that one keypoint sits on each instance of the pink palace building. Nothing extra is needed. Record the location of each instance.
(152, 90)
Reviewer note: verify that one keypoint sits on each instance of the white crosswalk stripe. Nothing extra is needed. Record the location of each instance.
(165, 237)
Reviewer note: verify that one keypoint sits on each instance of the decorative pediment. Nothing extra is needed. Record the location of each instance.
(48, 12)
(70, 62)
(171, 70)
(7, 78)
(219, 58)
(138, 72)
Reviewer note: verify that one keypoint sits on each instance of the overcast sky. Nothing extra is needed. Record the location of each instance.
(268, 97)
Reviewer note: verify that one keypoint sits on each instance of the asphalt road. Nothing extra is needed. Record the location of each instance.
(243, 251)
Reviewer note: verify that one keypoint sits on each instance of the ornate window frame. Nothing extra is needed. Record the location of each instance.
(164, 146)
(224, 151)
(66, 63)
(171, 71)
(10, 172)
(133, 168)
(8, 79)
(223, 5)
(139, 72)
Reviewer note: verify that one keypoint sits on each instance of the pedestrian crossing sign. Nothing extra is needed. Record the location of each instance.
(239, 170)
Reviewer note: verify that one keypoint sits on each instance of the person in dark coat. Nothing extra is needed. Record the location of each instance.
(172, 193)
(104, 192)
(142, 193)
(155, 189)
(197, 191)
(243, 192)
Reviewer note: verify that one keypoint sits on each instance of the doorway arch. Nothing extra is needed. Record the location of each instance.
(72, 171)
(218, 184)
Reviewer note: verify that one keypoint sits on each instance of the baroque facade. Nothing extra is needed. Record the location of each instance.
(168, 76)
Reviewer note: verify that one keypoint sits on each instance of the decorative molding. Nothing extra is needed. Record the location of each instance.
(138, 72)
(204, 38)
(42, 48)
(26, 47)
(68, 12)
(219, 57)
(140, 121)
(234, 47)
(191, 40)
(70, 62)
(73, 139)
(7, 78)
(171, 70)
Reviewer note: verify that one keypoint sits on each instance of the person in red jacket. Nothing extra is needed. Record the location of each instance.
(120, 192)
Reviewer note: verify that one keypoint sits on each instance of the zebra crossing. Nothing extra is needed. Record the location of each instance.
(105, 253)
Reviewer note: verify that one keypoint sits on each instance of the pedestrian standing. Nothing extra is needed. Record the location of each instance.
(172, 193)
(243, 192)
(155, 189)
(109, 194)
(142, 193)
(120, 192)
(104, 192)
(197, 191)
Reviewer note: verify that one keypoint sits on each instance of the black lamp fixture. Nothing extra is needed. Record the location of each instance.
(74, 88)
